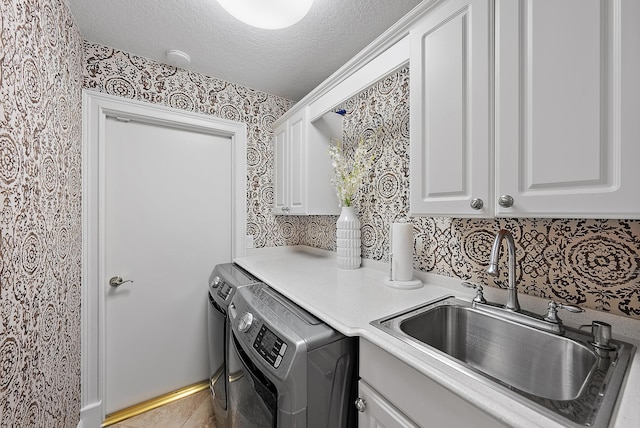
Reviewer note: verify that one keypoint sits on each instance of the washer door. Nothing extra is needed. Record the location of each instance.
(253, 399)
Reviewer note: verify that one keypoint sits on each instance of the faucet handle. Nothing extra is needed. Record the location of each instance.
(479, 292)
(571, 308)
(552, 312)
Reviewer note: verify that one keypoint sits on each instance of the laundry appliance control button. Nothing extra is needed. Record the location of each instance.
(245, 322)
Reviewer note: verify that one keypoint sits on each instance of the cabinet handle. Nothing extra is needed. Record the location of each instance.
(505, 201)
(285, 210)
(476, 203)
(361, 404)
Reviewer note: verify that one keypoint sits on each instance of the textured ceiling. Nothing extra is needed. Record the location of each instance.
(288, 62)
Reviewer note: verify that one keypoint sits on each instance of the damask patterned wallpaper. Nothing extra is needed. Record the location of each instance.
(40, 210)
(587, 262)
(591, 263)
(122, 74)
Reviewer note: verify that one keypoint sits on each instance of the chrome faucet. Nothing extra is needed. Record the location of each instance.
(550, 322)
(512, 293)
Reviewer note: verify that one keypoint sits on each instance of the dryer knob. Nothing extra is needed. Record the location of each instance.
(216, 282)
(245, 322)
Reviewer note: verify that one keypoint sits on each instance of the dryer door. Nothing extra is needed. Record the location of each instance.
(217, 322)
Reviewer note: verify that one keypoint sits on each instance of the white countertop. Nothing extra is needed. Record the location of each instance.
(348, 300)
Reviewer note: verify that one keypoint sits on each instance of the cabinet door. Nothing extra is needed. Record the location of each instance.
(280, 186)
(450, 110)
(297, 163)
(378, 412)
(567, 108)
(290, 174)
(419, 397)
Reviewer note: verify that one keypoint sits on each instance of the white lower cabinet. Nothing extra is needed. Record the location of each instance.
(397, 395)
(377, 412)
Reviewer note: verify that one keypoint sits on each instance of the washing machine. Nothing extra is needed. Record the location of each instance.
(297, 371)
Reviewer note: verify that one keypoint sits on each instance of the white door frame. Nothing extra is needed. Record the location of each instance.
(96, 106)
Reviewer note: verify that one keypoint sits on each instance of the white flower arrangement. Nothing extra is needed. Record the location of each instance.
(348, 175)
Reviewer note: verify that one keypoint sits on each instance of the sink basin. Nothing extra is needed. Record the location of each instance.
(546, 365)
(564, 374)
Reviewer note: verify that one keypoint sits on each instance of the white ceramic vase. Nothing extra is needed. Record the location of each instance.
(348, 239)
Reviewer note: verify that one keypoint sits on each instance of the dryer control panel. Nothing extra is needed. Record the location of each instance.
(224, 291)
(224, 280)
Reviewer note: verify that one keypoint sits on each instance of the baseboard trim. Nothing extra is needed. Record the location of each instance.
(154, 403)
(91, 415)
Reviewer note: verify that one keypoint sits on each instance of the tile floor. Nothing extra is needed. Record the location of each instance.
(194, 411)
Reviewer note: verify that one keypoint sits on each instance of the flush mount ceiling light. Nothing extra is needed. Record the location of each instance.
(179, 58)
(267, 14)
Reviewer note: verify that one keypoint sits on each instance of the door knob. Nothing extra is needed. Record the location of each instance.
(361, 404)
(117, 281)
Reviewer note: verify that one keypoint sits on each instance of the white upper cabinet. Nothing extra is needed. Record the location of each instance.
(450, 111)
(535, 103)
(559, 81)
(302, 167)
(567, 108)
(280, 160)
(289, 157)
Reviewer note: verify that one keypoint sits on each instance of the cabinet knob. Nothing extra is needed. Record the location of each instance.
(476, 203)
(286, 210)
(361, 404)
(505, 201)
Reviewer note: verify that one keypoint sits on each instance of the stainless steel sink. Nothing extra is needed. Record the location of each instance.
(546, 365)
(564, 374)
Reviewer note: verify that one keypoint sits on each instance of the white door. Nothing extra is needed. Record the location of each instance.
(167, 222)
